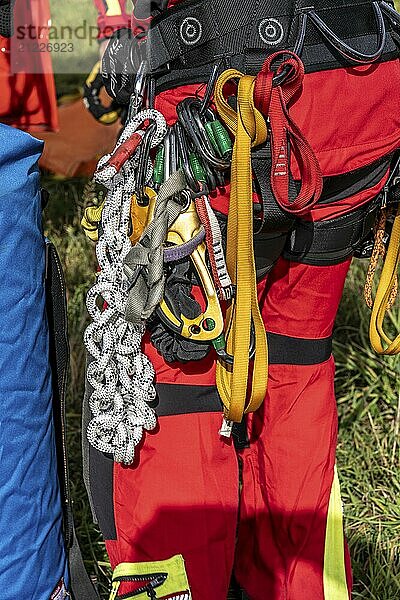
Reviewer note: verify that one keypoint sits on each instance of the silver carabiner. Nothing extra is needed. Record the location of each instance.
(136, 100)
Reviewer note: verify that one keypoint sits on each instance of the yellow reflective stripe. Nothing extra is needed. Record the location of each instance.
(113, 8)
(335, 583)
(176, 582)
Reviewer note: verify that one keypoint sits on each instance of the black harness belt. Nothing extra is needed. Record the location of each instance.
(332, 241)
(175, 399)
(187, 41)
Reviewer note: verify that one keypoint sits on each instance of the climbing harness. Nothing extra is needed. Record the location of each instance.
(160, 236)
(213, 239)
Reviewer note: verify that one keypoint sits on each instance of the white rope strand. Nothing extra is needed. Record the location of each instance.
(120, 374)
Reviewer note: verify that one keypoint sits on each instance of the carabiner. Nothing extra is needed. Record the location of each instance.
(185, 160)
(142, 198)
(205, 103)
(220, 348)
(174, 158)
(167, 156)
(188, 111)
(136, 100)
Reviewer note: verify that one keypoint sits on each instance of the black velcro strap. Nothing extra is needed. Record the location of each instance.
(285, 350)
(330, 242)
(81, 586)
(56, 308)
(177, 399)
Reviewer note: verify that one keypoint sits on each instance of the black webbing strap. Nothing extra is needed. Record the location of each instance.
(331, 241)
(185, 42)
(178, 399)
(273, 217)
(285, 350)
(59, 361)
(81, 586)
(219, 27)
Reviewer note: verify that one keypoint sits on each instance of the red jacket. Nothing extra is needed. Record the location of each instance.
(28, 95)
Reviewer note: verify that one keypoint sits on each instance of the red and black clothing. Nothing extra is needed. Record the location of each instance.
(182, 494)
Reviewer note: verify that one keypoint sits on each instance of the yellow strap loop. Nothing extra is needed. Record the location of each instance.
(250, 129)
(379, 339)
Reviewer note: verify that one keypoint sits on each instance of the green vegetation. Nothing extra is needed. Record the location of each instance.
(369, 409)
(72, 25)
(368, 394)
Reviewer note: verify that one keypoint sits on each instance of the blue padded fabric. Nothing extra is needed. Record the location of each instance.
(32, 555)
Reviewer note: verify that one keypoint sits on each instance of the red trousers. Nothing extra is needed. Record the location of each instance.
(183, 496)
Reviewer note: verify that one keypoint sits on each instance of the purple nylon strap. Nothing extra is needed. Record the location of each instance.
(175, 253)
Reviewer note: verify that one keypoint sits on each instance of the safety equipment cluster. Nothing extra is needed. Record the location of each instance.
(160, 236)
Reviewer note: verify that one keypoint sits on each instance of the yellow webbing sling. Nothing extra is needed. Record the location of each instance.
(250, 130)
(381, 342)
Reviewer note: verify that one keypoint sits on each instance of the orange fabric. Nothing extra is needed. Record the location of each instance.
(80, 142)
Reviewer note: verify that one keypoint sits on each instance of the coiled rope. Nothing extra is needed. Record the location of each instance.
(120, 374)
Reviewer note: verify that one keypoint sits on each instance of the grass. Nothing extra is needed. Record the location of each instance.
(368, 394)
(369, 410)
(72, 24)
